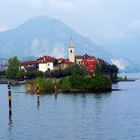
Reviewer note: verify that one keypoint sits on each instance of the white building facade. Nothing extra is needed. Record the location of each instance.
(46, 63)
(48, 66)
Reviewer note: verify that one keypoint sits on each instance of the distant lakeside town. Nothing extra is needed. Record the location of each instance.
(77, 73)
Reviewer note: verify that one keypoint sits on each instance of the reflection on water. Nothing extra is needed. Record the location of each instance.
(38, 101)
(55, 96)
(10, 126)
(113, 115)
(10, 121)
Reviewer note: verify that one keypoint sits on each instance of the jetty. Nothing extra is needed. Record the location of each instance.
(127, 80)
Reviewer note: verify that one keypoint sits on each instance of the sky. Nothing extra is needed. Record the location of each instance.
(114, 24)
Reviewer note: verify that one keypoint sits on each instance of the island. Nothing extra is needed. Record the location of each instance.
(47, 74)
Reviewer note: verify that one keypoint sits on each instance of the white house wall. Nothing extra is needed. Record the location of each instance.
(45, 66)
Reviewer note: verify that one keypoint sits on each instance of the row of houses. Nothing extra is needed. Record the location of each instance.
(49, 63)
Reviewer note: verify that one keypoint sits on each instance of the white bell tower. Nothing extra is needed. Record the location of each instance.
(71, 51)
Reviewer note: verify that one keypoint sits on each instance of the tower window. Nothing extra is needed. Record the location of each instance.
(70, 51)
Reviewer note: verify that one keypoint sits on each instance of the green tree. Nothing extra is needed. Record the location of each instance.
(33, 74)
(65, 84)
(98, 69)
(20, 74)
(13, 67)
(55, 62)
(77, 70)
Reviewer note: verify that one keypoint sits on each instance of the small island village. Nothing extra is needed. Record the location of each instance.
(47, 63)
(77, 73)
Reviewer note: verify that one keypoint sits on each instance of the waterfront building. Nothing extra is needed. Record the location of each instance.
(79, 59)
(29, 65)
(64, 63)
(90, 64)
(46, 63)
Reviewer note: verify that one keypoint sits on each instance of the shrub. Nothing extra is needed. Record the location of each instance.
(45, 85)
(65, 84)
(101, 83)
(33, 74)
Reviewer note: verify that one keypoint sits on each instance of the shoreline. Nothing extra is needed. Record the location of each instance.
(16, 82)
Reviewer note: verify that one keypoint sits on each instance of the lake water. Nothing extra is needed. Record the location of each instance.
(108, 116)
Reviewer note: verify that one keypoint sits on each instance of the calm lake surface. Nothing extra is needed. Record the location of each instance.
(108, 116)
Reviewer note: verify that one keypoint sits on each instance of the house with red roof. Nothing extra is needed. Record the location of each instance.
(64, 63)
(29, 65)
(78, 59)
(89, 62)
(46, 63)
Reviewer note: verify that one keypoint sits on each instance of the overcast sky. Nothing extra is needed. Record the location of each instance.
(106, 22)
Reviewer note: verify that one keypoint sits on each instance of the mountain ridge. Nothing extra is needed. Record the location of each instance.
(46, 36)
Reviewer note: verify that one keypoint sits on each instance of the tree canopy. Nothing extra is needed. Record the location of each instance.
(13, 67)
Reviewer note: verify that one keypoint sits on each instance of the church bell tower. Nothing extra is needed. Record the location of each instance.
(71, 51)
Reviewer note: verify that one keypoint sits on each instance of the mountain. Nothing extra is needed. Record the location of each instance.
(46, 36)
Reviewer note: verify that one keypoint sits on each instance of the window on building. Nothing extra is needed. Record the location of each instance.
(70, 51)
(48, 64)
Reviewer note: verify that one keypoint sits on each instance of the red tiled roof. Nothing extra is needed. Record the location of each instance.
(90, 59)
(64, 61)
(27, 63)
(86, 56)
(60, 60)
(46, 59)
(79, 57)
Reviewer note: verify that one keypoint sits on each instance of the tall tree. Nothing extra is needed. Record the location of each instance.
(13, 67)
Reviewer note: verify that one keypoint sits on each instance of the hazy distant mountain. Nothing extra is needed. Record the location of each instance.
(46, 36)
(126, 65)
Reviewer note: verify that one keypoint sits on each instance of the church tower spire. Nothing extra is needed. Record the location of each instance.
(71, 51)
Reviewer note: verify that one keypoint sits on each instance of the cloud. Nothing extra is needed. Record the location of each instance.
(120, 63)
(63, 7)
(111, 33)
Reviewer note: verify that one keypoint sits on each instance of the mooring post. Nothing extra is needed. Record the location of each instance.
(55, 88)
(38, 100)
(10, 100)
